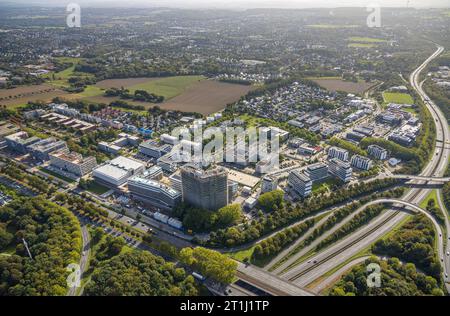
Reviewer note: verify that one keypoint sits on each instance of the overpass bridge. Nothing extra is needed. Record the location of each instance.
(441, 180)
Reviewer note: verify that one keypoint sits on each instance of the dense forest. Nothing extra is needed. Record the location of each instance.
(415, 243)
(54, 239)
(397, 279)
(139, 273)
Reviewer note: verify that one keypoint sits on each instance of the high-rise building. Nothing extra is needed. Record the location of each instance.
(300, 183)
(317, 171)
(340, 169)
(205, 189)
(339, 153)
(377, 152)
(361, 162)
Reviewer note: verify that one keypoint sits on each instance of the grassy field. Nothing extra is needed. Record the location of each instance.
(400, 98)
(366, 40)
(431, 196)
(97, 188)
(62, 76)
(168, 87)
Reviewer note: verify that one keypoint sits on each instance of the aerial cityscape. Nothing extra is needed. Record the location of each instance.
(224, 149)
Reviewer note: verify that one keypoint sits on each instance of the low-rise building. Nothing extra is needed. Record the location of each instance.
(153, 149)
(72, 162)
(41, 150)
(116, 172)
(20, 141)
(153, 193)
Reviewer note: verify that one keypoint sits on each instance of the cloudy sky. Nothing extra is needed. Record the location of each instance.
(242, 3)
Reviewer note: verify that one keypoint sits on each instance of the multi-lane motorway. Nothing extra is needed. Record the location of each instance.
(341, 251)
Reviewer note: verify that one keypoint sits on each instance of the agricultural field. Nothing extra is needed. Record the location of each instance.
(22, 95)
(395, 97)
(335, 84)
(207, 97)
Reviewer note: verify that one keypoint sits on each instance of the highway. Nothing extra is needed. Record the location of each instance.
(328, 255)
(366, 236)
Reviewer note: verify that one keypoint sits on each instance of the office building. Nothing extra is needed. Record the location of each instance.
(361, 162)
(169, 139)
(20, 141)
(72, 162)
(340, 169)
(300, 183)
(175, 181)
(317, 171)
(269, 184)
(377, 152)
(339, 153)
(41, 150)
(153, 149)
(205, 189)
(117, 171)
(153, 193)
(154, 173)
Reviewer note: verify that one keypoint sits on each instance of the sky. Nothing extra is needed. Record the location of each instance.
(240, 4)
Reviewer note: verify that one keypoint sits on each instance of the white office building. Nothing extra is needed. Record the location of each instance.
(377, 152)
(300, 183)
(339, 153)
(72, 162)
(153, 192)
(117, 171)
(361, 162)
(269, 184)
(340, 169)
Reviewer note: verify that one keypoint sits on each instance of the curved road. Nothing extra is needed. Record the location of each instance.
(308, 273)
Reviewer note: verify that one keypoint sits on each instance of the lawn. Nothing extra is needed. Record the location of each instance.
(57, 175)
(324, 186)
(97, 188)
(168, 87)
(432, 195)
(395, 97)
(241, 255)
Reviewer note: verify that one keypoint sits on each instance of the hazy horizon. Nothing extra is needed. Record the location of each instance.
(236, 4)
